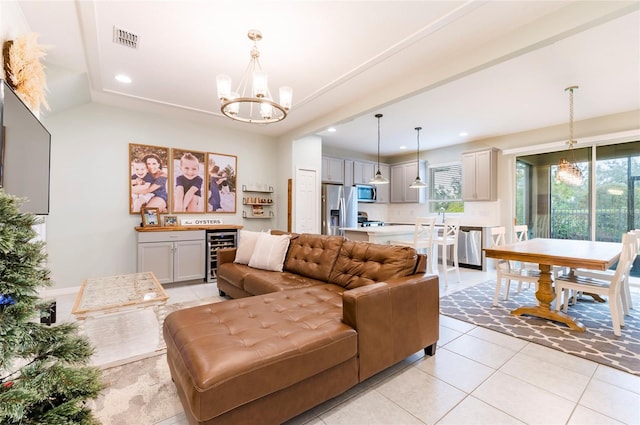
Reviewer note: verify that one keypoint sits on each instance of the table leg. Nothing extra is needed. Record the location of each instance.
(545, 295)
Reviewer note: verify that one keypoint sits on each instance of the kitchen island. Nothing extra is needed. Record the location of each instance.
(379, 234)
(471, 241)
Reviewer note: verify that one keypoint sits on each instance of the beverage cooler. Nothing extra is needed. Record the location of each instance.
(217, 239)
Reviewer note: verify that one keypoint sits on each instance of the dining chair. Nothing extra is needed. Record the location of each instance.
(609, 287)
(422, 239)
(448, 240)
(505, 271)
(607, 275)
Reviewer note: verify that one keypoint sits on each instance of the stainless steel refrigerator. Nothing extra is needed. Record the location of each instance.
(339, 208)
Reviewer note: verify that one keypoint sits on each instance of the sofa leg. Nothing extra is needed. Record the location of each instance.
(222, 294)
(430, 350)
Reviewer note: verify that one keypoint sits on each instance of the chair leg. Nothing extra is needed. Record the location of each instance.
(445, 266)
(565, 296)
(507, 288)
(497, 294)
(616, 321)
(455, 261)
(625, 293)
(558, 301)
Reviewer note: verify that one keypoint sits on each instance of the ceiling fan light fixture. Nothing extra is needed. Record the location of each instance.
(418, 183)
(255, 105)
(568, 172)
(379, 178)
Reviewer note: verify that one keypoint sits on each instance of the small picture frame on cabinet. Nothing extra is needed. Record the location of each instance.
(170, 220)
(150, 217)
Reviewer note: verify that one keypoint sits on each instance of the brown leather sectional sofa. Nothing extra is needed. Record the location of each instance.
(340, 312)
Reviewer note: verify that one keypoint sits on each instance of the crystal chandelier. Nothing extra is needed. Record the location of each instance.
(418, 183)
(569, 172)
(379, 178)
(253, 105)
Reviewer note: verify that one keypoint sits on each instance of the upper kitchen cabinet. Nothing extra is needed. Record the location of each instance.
(332, 170)
(348, 173)
(479, 175)
(383, 190)
(363, 172)
(402, 175)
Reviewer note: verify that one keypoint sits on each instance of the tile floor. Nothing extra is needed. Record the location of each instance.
(476, 377)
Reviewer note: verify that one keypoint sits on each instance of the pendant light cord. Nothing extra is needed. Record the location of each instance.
(378, 116)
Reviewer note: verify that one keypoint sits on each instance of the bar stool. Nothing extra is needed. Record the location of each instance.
(448, 240)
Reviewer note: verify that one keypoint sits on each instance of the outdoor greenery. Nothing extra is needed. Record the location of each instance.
(445, 190)
(617, 186)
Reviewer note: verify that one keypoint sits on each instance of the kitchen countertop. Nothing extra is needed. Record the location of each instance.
(399, 228)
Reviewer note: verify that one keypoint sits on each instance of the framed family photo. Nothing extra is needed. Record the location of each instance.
(188, 184)
(149, 176)
(150, 217)
(221, 183)
(170, 221)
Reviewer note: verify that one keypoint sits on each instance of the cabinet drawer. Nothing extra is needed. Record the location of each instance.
(181, 235)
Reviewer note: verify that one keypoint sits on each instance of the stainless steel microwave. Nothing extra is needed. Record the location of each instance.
(366, 193)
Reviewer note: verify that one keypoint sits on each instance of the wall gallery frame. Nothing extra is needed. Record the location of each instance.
(188, 181)
(181, 181)
(221, 183)
(149, 175)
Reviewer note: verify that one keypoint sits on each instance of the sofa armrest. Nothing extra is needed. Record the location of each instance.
(226, 255)
(393, 319)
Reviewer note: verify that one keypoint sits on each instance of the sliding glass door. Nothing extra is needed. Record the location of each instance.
(602, 208)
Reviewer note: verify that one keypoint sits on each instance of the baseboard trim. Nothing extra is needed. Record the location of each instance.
(56, 292)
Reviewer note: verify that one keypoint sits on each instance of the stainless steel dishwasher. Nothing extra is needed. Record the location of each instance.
(470, 247)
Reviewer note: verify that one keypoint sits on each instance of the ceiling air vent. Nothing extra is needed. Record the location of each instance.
(125, 38)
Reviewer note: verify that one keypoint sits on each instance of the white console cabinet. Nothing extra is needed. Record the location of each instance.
(173, 256)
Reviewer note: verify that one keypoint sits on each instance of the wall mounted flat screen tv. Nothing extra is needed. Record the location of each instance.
(25, 153)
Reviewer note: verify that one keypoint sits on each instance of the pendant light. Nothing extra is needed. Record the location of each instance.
(255, 104)
(418, 183)
(568, 172)
(379, 178)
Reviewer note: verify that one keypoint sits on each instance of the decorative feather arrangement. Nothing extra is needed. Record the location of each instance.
(25, 73)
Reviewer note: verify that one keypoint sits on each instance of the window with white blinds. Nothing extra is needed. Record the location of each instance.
(445, 187)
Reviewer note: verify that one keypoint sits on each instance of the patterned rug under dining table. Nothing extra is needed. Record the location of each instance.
(556, 252)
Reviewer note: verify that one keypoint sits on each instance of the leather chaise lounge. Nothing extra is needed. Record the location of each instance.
(339, 312)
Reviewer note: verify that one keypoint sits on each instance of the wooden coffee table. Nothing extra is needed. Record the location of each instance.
(107, 296)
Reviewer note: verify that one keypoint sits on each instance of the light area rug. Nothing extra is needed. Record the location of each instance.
(139, 390)
(598, 343)
(137, 393)
(122, 337)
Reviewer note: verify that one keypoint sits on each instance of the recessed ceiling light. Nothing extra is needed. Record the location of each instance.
(331, 129)
(123, 78)
(403, 147)
(463, 134)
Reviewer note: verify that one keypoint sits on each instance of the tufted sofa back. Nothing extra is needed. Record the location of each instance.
(363, 263)
(313, 256)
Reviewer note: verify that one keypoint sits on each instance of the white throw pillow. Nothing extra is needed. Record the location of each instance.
(269, 252)
(246, 244)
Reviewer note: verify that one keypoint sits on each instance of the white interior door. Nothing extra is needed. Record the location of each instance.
(307, 210)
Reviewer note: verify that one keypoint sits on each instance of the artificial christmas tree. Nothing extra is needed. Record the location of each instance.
(44, 372)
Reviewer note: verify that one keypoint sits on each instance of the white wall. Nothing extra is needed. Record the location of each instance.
(12, 24)
(90, 232)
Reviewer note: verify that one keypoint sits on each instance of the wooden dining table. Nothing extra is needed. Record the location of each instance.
(556, 252)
